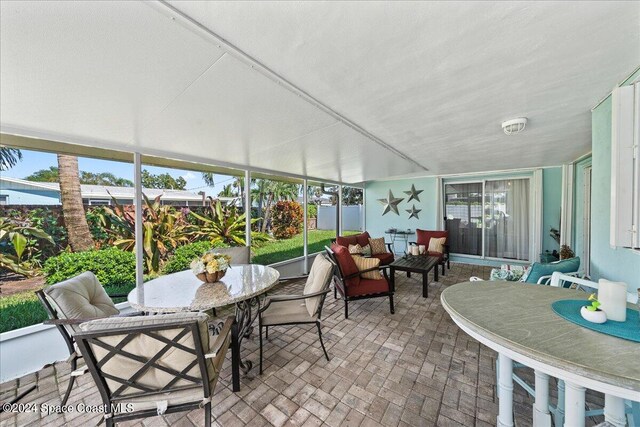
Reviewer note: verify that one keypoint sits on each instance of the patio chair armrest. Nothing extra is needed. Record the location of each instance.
(389, 245)
(69, 321)
(285, 279)
(132, 314)
(280, 298)
(351, 276)
(221, 338)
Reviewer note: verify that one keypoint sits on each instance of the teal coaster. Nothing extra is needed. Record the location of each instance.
(570, 310)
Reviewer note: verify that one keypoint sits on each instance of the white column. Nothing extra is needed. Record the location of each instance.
(574, 405)
(247, 205)
(139, 236)
(541, 416)
(305, 233)
(364, 207)
(505, 391)
(566, 207)
(614, 410)
(339, 210)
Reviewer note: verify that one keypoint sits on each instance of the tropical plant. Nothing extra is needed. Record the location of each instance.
(312, 210)
(287, 220)
(227, 191)
(9, 157)
(91, 178)
(22, 240)
(164, 229)
(183, 256)
(220, 225)
(566, 252)
(78, 232)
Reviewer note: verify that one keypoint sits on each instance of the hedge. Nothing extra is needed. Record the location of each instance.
(113, 267)
(183, 256)
(20, 310)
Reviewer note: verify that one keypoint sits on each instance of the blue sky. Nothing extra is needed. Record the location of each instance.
(33, 161)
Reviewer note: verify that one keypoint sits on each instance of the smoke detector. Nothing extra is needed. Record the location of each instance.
(514, 126)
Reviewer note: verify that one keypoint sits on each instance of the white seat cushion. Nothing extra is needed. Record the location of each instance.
(283, 312)
(81, 297)
(318, 280)
(145, 346)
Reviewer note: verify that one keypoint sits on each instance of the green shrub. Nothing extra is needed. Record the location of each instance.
(20, 310)
(113, 267)
(287, 219)
(183, 256)
(312, 211)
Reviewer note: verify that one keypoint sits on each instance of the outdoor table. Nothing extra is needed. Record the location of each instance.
(243, 285)
(517, 321)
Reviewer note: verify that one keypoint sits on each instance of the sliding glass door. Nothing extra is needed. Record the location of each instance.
(489, 218)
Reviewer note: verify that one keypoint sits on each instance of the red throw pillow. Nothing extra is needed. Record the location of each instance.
(346, 263)
(346, 241)
(363, 239)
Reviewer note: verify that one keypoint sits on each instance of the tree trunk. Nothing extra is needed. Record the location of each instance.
(75, 218)
(267, 213)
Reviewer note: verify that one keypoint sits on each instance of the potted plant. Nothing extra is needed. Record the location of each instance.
(592, 313)
(210, 267)
(566, 252)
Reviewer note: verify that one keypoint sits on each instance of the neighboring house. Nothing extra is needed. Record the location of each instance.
(15, 191)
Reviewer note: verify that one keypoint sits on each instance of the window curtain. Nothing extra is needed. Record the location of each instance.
(507, 210)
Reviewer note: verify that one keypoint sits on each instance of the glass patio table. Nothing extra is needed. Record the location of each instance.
(244, 285)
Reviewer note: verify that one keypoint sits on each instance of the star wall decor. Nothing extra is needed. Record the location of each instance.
(414, 212)
(413, 194)
(390, 204)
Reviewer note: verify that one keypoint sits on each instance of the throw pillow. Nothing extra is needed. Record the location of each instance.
(366, 250)
(365, 264)
(538, 270)
(355, 249)
(346, 264)
(435, 245)
(377, 246)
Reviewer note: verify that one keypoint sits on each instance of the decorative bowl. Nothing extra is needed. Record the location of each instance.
(597, 316)
(211, 277)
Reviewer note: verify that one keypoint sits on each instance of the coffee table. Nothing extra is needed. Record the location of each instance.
(416, 264)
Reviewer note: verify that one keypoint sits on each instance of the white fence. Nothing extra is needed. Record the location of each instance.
(352, 217)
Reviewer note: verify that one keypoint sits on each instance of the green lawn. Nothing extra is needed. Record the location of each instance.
(282, 250)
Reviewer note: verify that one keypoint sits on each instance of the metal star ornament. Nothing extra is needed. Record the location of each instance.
(414, 212)
(413, 194)
(390, 204)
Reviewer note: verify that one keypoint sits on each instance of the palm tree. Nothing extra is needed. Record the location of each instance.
(227, 192)
(9, 157)
(79, 236)
(277, 191)
(207, 177)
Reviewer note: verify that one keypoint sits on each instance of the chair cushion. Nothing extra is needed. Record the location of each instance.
(436, 254)
(367, 263)
(238, 254)
(282, 312)
(147, 347)
(346, 264)
(363, 238)
(435, 244)
(81, 297)
(378, 246)
(424, 236)
(368, 287)
(346, 241)
(385, 258)
(318, 280)
(538, 270)
(355, 249)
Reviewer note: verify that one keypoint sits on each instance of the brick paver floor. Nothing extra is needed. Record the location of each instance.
(412, 368)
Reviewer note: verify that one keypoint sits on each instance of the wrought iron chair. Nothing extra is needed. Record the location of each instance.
(71, 302)
(153, 365)
(349, 283)
(423, 237)
(280, 310)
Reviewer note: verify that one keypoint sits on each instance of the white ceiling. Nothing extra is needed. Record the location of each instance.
(432, 80)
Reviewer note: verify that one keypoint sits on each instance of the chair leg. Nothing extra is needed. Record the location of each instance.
(260, 331)
(322, 342)
(448, 264)
(72, 379)
(266, 329)
(214, 312)
(109, 422)
(346, 309)
(391, 304)
(443, 268)
(335, 292)
(207, 414)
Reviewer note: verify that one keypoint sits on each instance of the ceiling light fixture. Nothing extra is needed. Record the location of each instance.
(514, 126)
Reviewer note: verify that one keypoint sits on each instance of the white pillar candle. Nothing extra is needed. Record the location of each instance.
(613, 299)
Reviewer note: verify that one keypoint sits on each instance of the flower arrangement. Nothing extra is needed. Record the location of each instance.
(210, 267)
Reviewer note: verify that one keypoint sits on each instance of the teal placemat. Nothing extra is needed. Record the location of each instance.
(570, 310)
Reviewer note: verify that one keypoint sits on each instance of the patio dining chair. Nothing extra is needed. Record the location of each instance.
(154, 365)
(280, 310)
(71, 302)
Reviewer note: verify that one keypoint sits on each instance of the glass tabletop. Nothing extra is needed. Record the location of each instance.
(183, 291)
